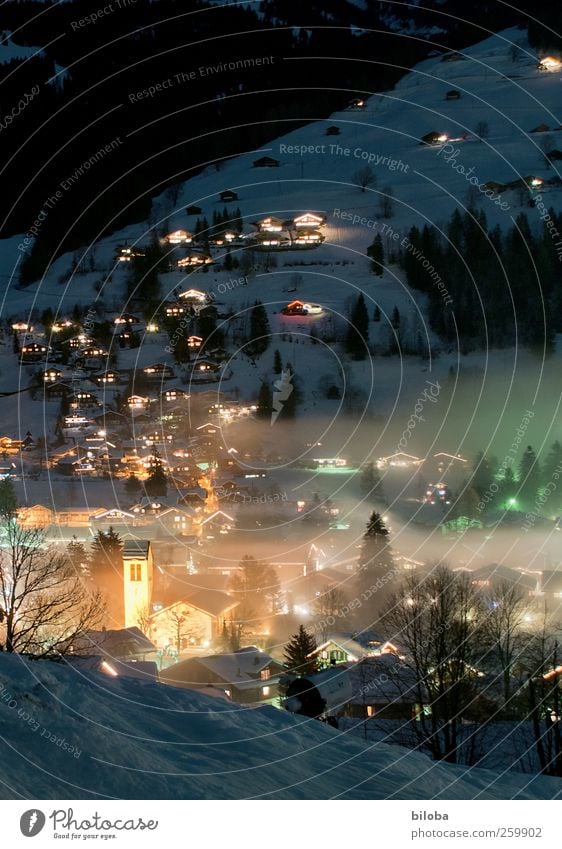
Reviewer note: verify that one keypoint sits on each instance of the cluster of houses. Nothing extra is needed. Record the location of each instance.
(303, 231)
(193, 249)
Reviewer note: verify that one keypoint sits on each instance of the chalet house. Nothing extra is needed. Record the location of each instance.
(269, 241)
(399, 460)
(174, 310)
(126, 319)
(125, 253)
(453, 95)
(9, 446)
(178, 237)
(105, 378)
(103, 519)
(83, 400)
(270, 224)
(356, 103)
(193, 210)
(194, 260)
(217, 523)
(266, 162)
(550, 63)
(383, 687)
(37, 516)
(204, 612)
(56, 390)
(542, 128)
(137, 403)
(194, 342)
(109, 418)
(333, 131)
(307, 238)
(434, 137)
(118, 644)
(294, 308)
(159, 371)
(193, 296)
(76, 342)
(51, 375)
(22, 327)
(248, 676)
(170, 396)
(33, 352)
(454, 56)
(350, 648)
(193, 495)
(228, 196)
(309, 221)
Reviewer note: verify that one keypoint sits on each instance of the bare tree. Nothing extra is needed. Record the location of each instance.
(329, 607)
(44, 604)
(482, 130)
(182, 627)
(503, 630)
(364, 177)
(438, 619)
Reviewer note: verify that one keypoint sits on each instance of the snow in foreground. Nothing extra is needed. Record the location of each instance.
(67, 734)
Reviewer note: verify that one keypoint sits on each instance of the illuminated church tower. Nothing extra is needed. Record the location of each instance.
(137, 580)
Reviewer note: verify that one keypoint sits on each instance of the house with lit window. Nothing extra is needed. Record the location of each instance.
(309, 221)
(247, 676)
(384, 687)
(158, 371)
(178, 237)
(194, 618)
(350, 648)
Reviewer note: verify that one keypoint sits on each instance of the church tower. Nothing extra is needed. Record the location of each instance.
(138, 577)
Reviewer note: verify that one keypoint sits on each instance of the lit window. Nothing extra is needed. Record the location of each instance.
(370, 710)
(266, 691)
(265, 674)
(136, 572)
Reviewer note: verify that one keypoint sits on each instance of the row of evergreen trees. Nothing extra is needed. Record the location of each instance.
(504, 286)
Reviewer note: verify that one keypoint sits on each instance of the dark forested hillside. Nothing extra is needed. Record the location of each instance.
(149, 91)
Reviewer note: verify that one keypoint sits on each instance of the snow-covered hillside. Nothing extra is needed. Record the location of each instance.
(81, 735)
(499, 86)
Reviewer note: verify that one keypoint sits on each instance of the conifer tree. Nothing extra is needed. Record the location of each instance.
(357, 337)
(376, 253)
(157, 483)
(297, 652)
